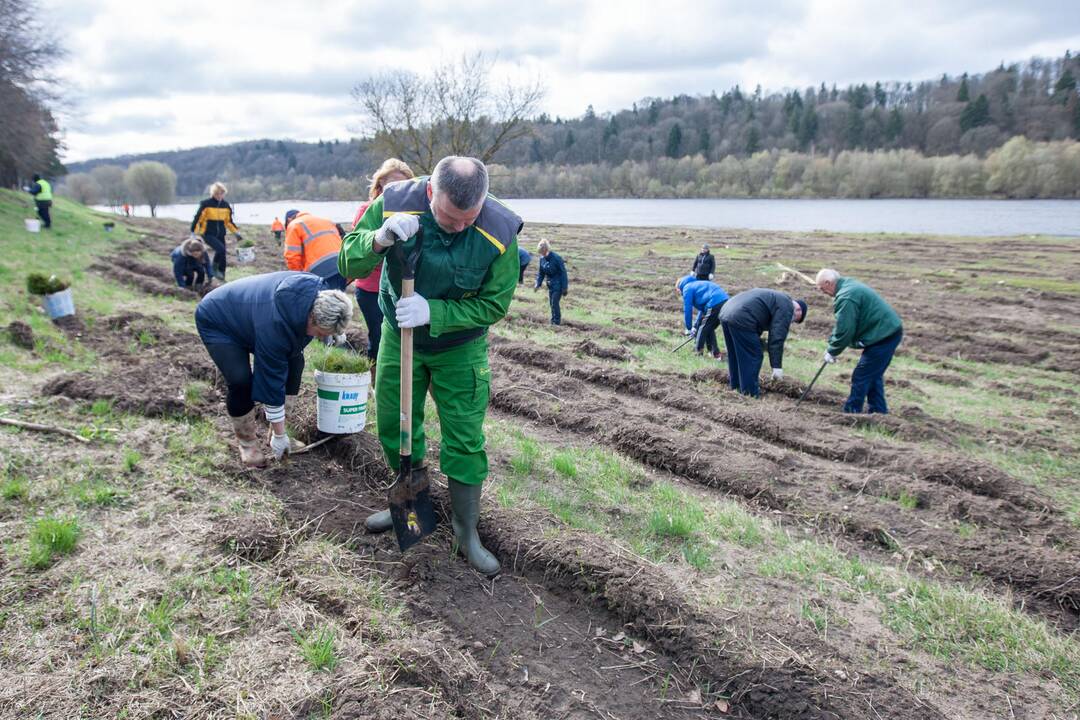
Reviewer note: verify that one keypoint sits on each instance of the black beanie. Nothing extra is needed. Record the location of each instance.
(802, 304)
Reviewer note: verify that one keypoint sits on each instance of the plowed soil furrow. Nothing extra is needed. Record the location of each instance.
(839, 496)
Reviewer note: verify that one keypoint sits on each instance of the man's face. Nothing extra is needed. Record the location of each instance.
(798, 312)
(315, 331)
(828, 287)
(705, 250)
(451, 219)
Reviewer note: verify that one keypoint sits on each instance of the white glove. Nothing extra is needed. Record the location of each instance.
(829, 358)
(340, 340)
(711, 276)
(412, 311)
(777, 374)
(398, 227)
(690, 333)
(280, 445)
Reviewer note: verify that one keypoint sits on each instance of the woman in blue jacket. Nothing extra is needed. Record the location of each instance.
(705, 297)
(190, 263)
(552, 267)
(271, 317)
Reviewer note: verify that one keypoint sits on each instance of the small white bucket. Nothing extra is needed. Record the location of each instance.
(246, 254)
(60, 304)
(342, 407)
(32, 225)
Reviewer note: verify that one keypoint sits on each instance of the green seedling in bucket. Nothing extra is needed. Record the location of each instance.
(410, 496)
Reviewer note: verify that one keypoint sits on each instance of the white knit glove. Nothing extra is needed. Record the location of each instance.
(830, 359)
(412, 311)
(777, 374)
(397, 228)
(280, 445)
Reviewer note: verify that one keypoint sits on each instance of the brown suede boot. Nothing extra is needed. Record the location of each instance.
(247, 437)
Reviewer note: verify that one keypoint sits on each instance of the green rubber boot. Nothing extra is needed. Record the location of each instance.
(381, 521)
(465, 512)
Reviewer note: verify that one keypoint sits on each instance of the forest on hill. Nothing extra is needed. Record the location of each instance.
(948, 137)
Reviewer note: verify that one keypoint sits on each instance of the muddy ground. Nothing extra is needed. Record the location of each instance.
(577, 625)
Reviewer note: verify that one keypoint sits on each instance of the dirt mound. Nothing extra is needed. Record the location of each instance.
(256, 538)
(20, 334)
(147, 284)
(588, 347)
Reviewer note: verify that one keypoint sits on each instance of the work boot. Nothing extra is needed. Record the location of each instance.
(465, 514)
(381, 521)
(246, 436)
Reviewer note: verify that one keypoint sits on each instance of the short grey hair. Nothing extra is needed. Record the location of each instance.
(332, 311)
(463, 180)
(543, 246)
(192, 244)
(826, 275)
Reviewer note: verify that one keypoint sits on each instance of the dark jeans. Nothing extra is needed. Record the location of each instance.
(234, 362)
(217, 244)
(707, 330)
(43, 212)
(744, 357)
(554, 297)
(521, 274)
(868, 378)
(373, 318)
(193, 277)
(277, 234)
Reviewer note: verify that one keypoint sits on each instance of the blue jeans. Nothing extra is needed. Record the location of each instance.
(744, 357)
(868, 378)
(554, 296)
(373, 318)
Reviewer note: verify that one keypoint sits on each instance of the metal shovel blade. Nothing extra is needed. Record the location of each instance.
(410, 507)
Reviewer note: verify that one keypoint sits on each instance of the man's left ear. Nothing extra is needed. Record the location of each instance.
(429, 190)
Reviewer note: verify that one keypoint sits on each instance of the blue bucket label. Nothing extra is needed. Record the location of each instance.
(350, 396)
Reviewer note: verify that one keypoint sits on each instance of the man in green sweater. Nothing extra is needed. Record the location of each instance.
(465, 280)
(863, 320)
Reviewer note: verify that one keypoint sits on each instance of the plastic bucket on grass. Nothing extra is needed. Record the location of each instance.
(60, 304)
(246, 254)
(32, 225)
(342, 407)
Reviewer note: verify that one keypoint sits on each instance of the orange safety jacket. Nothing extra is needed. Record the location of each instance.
(312, 245)
(276, 226)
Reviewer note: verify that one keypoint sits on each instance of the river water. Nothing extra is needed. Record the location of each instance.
(934, 217)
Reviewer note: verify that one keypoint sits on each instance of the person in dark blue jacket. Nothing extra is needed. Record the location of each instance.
(273, 317)
(190, 263)
(706, 298)
(524, 258)
(744, 318)
(552, 267)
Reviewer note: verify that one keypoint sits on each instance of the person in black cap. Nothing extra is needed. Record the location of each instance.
(744, 318)
(704, 264)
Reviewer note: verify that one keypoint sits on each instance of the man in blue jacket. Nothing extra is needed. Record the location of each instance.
(706, 298)
(744, 318)
(272, 317)
(190, 263)
(552, 267)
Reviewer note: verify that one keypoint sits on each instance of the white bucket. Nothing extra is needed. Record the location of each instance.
(60, 304)
(32, 225)
(342, 407)
(246, 254)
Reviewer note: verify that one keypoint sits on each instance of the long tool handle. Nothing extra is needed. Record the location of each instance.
(807, 390)
(680, 346)
(405, 450)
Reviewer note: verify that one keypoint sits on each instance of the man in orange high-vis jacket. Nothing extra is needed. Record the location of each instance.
(277, 228)
(312, 245)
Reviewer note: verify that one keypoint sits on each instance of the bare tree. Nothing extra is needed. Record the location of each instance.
(27, 129)
(110, 178)
(454, 110)
(82, 188)
(152, 183)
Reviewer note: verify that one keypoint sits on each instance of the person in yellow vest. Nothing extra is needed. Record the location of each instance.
(212, 218)
(42, 192)
(277, 228)
(312, 245)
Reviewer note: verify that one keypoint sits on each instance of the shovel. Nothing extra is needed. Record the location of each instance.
(807, 390)
(410, 499)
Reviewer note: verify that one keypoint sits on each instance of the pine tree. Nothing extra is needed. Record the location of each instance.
(674, 141)
(975, 114)
(753, 140)
(879, 95)
(808, 127)
(895, 126)
(963, 94)
(704, 142)
(1065, 84)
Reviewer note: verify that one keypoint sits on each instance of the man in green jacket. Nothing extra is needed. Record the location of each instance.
(863, 320)
(465, 280)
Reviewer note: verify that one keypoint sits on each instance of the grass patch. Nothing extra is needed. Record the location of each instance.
(564, 464)
(317, 648)
(97, 493)
(327, 358)
(50, 538)
(14, 489)
(131, 461)
(675, 515)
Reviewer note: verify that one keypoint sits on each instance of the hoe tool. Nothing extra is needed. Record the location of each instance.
(807, 390)
(688, 339)
(410, 499)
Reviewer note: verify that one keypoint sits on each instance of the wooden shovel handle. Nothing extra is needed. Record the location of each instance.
(406, 378)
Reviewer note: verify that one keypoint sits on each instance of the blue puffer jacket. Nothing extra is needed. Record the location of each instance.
(183, 264)
(700, 295)
(267, 316)
(524, 257)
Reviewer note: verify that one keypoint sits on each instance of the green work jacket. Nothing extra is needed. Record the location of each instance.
(468, 278)
(862, 317)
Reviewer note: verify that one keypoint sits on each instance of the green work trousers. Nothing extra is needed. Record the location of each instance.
(460, 382)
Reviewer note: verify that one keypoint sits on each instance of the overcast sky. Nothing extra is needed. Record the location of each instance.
(164, 75)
